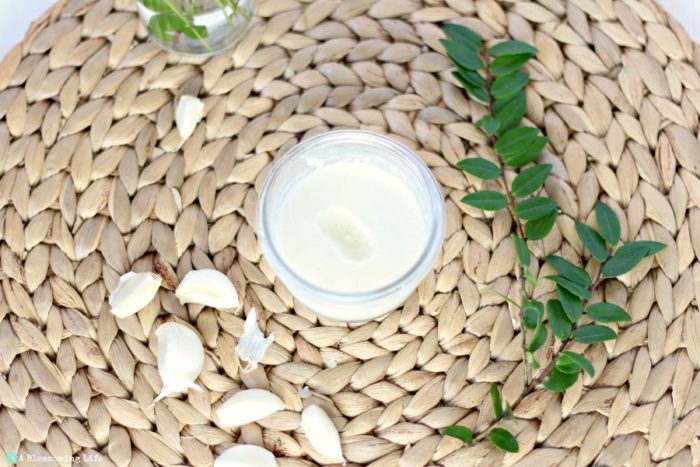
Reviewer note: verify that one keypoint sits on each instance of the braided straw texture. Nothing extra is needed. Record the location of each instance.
(93, 184)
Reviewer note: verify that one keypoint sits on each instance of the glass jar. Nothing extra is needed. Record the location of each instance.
(196, 27)
(363, 147)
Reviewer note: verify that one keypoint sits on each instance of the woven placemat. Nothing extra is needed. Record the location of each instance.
(93, 185)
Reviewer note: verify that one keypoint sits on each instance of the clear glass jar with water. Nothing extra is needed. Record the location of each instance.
(196, 27)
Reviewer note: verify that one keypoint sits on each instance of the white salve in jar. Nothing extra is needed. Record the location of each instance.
(351, 221)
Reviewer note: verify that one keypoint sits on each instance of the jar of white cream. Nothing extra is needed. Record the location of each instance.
(351, 222)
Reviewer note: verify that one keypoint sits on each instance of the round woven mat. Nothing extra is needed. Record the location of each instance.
(93, 185)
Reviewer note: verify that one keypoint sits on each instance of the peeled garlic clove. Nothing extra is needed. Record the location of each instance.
(321, 433)
(134, 291)
(190, 111)
(246, 455)
(180, 358)
(253, 344)
(248, 406)
(207, 287)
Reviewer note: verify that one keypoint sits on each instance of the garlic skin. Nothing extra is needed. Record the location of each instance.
(189, 112)
(134, 291)
(321, 433)
(246, 455)
(248, 406)
(253, 344)
(180, 358)
(207, 287)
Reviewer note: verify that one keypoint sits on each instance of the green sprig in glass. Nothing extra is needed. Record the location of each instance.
(173, 18)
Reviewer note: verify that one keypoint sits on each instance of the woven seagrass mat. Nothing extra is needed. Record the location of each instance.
(93, 185)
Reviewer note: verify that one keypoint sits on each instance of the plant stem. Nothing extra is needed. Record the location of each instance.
(530, 382)
(519, 229)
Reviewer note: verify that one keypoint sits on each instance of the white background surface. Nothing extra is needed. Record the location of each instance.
(15, 16)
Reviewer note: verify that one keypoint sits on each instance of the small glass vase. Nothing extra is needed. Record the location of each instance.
(199, 28)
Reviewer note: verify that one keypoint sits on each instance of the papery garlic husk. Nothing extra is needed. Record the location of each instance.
(322, 433)
(134, 291)
(180, 358)
(253, 344)
(248, 406)
(189, 112)
(246, 455)
(207, 287)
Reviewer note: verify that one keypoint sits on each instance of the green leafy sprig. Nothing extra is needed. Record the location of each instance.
(493, 76)
(173, 18)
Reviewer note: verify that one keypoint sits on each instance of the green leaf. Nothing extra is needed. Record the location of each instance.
(539, 228)
(608, 223)
(531, 360)
(486, 200)
(496, 401)
(158, 6)
(569, 270)
(594, 333)
(538, 337)
(566, 366)
(504, 440)
(558, 321)
(510, 111)
(531, 317)
(607, 313)
(163, 25)
(507, 85)
(473, 77)
(508, 64)
(462, 55)
(592, 240)
(535, 208)
(459, 432)
(480, 168)
(558, 381)
(513, 141)
(533, 313)
(530, 180)
(463, 35)
(474, 91)
(573, 287)
(521, 251)
(572, 358)
(651, 246)
(489, 124)
(528, 154)
(512, 48)
(571, 303)
(628, 256)
(196, 32)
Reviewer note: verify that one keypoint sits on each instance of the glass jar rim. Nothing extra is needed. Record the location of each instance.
(403, 154)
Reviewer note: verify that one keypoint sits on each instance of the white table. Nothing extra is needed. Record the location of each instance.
(15, 18)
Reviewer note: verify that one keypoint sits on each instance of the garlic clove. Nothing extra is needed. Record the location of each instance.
(246, 455)
(322, 433)
(180, 358)
(134, 291)
(248, 406)
(253, 344)
(207, 287)
(190, 111)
